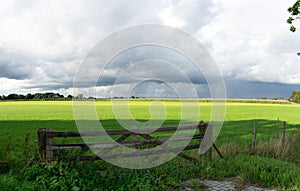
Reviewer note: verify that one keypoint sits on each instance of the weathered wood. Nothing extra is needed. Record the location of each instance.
(122, 138)
(187, 157)
(210, 133)
(49, 142)
(202, 127)
(283, 133)
(134, 140)
(181, 154)
(132, 143)
(118, 140)
(153, 152)
(130, 154)
(81, 158)
(218, 151)
(206, 141)
(42, 144)
(45, 142)
(119, 132)
(255, 126)
(47, 146)
(73, 158)
(210, 153)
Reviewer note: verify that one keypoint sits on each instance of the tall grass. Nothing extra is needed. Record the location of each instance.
(273, 148)
(15, 159)
(170, 176)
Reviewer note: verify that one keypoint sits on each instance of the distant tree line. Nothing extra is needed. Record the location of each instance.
(295, 97)
(36, 96)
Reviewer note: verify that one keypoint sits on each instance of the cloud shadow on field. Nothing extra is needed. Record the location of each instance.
(240, 132)
(236, 132)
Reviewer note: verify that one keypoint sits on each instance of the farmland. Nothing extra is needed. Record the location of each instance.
(19, 120)
(18, 117)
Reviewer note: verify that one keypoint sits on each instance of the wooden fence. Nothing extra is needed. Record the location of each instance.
(48, 146)
(282, 137)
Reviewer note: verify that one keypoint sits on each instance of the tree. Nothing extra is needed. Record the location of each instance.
(79, 96)
(29, 96)
(295, 97)
(295, 15)
(12, 96)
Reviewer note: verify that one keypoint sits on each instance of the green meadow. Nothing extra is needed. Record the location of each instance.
(18, 117)
(19, 122)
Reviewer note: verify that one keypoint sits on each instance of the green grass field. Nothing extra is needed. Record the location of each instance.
(17, 118)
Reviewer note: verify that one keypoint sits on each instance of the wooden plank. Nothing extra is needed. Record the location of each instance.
(153, 152)
(283, 133)
(81, 158)
(218, 151)
(146, 136)
(210, 153)
(118, 140)
(122, 138)
(181, 154)
(91, 133)
(202, 127)
(187, 157)
(177, 128)
(49, 143)
(128, 155)
(134, 140)
(47, 146)
(118, 132)
(132, 143)
(206, 142)
(42, 143)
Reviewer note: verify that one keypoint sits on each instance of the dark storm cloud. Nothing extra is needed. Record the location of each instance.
(150, 62)
(13, 66)
(255, 89)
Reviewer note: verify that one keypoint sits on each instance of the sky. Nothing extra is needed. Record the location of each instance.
(43, 43)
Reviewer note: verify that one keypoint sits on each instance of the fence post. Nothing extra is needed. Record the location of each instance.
(44, 142)
(207, 131)
(49, 153)
(134, 139)
(283, 133)
(202, 128)
(255, 126)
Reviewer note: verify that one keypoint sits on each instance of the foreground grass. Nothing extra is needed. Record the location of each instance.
(103, 176)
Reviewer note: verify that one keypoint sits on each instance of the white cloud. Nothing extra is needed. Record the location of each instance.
(66, 29)
(189, 15)
(250, 40)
